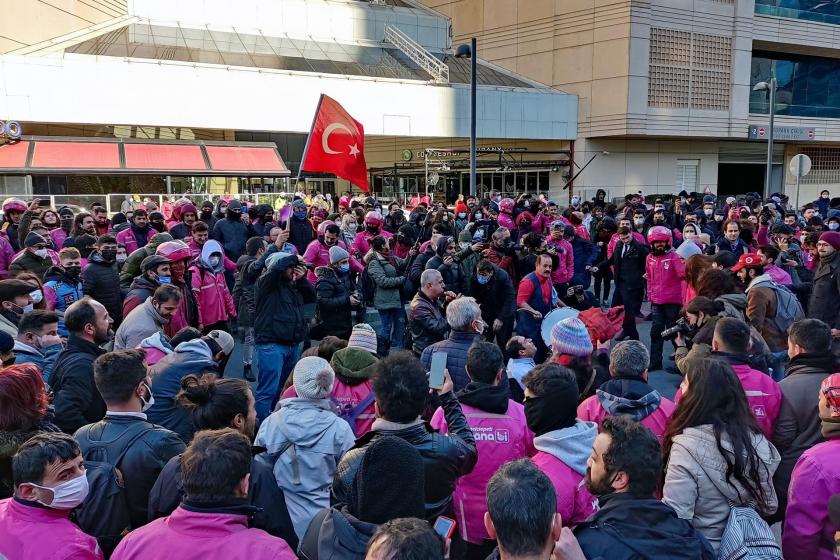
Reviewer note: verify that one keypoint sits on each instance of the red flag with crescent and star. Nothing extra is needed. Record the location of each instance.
(336, 144)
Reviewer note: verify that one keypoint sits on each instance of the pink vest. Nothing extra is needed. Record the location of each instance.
(574, 502)
(592, 411)
(34, 532)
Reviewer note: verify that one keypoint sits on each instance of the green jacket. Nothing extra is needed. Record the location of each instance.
(26, 261)
(131, 266)
(388, 279)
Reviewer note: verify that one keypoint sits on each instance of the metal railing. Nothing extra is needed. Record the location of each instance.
(438, 70)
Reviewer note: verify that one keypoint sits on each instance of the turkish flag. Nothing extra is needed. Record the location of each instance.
(336, 144)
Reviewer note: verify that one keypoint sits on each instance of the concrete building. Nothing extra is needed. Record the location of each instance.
(665, 86)
(248, 74)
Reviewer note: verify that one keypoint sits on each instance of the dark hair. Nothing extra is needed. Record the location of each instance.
(329, 345)
(716, 397)
(105, 239)
(635, 451)
(214, 403)
(378, 243)
(702, 304)
(715, 282)
(253, 246)
(406, 539)
(23, 397)
(98, 209)
(769, 251)
(812, 335)
(166, 293)
(118, 373)
(400, 385)
(35, 320)
(539, 379)
(696, 265)
(79, 314)
(522, 503)
(484, 361)
(184, 335)
(728, 222)
(485, 265)
(140, 212)
(214, 464)
(726, 259)
(623, 230)
(38, 452)
(513, 347)
(77, 223)
(333, 229)
(200, 226)
(733, 335)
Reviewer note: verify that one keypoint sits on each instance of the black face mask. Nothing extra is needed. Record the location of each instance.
(86, 251)
(73, 271)
(206, 214)
(9, 361)
(372, 229)
(109, 255)
(158, 226)
(232, 215)
(554, 411)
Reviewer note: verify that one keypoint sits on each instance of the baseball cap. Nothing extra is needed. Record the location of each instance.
(748, 260)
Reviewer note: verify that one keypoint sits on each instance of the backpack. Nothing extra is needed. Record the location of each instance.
(367, 288)
(350, 414)
(748, 537)
(788, 308)
(104, 514)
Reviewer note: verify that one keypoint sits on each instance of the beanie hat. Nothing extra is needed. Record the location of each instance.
(830, 389)
(460, 207)
(709, 198)
(33, 239)
(390, 482)
(570, 337)
(688, 249)
(223, 339)
(353, 365)
(730, 200)
(234, 205)
(364, 337)
(337, 254)
(832, 238)
(313, 378)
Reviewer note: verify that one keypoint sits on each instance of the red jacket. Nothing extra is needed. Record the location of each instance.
(42, 533)
(665, 278)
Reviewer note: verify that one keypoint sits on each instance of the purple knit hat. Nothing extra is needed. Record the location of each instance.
(570, 337)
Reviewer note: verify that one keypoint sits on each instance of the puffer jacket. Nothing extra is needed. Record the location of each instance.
(232, 235)
(143, 460)
(361, 243)
(203, 532)
(7, 255)
(456, 347)
(101, 281)
(825, 293)
(627, 396)
(453, 276)
(141, 289)
(335, 534)
(562, 456)
(809, 532)
(501, 435)
(445, 457)
(142, 322)
(388, 273)
(300, 233)
(353, 371)
(565, 260)
(215, 304)
(279, 318)
(318, 254)
(243, 290)
(76, 399)
(427, 322)
(333, 289)
(44, 358)
(29, 530)
(696, 485)
(305, 440)
(665, 278)
(585, 253)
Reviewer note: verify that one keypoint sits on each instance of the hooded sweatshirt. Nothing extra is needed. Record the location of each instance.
(630, 397)
(156, 347)
(213, 299)
(562, 456)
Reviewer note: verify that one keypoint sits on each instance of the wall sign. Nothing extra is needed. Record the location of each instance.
(791, 133)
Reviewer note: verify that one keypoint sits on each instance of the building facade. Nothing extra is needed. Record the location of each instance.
(666, 86)
(253, 71)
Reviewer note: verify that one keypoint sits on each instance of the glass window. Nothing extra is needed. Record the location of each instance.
(808, 86)
(826, 11)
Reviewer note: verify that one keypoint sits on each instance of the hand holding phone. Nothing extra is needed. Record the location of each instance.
(437, 371)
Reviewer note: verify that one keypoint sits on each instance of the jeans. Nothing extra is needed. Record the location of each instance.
(248, 345)
(392, 327)
(665, 316)
(275, 362)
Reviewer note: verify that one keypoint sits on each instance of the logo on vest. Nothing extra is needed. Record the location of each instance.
(487, 433)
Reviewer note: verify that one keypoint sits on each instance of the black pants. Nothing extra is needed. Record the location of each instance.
(665, 315)
(632, 301)
(603, 277)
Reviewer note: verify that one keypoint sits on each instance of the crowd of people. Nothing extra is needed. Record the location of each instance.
(122, 437)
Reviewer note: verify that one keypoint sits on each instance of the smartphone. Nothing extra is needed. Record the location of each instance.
(445, 527)
(436, 373)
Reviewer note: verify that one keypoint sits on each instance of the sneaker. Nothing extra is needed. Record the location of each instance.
(247, 375)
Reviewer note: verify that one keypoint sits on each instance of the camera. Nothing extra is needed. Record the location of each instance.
(681, 327)
(578, 290)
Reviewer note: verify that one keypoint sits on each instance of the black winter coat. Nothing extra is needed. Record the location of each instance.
(243, 290)
(143, 461)
(628, 270)
(263, 492)
(497, 298)
(333, 291)
(825, 293)
(334, 534)
(445, 458)
(180, 231)
(75, 397)
(101, 281)
(232, 235)
(300, 234)
(426, 321)
(280, 316)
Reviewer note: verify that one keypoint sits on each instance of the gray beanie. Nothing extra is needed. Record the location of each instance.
(314, 378)
(337, 254)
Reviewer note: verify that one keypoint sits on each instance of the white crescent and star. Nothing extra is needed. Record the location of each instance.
(325, 139)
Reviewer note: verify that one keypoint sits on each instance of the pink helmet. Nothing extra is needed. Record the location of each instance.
(659, 233)
(322, 227)
(175, 250)
(506, 205)
(374, 218)
(14, 204)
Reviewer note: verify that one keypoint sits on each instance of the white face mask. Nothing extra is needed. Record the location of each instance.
(41, 253)
(708, 211)
(37, 296)
(147, 404)
(121, 258)
(67, 495)
(214, 261)
(352, 226)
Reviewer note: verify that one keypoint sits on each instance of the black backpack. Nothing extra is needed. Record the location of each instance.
(367, 287)
(104, 514)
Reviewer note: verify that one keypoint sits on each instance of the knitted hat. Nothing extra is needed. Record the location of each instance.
(313, 378)
(460, 207)
(33, 239)
(830, 237)
(830, 389)
(730, 200)
(235, 206)
(570, 336)
(223, 339)
(390, 482)
(353, 363)
(688, 249)
(364, 337)
(337, 254)
(709, 198)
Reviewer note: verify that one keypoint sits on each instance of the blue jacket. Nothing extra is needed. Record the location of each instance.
(67, 292)
(232, 235)
(44, 358)
(456, 348)
(586, 254)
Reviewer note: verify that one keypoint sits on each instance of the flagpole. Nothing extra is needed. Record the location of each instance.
(308, 138)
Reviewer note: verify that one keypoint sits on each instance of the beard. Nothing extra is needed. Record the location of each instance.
(659, 250)
(600, 487)
(102, 337)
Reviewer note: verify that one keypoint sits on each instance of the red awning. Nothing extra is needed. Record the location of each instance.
(105, 156)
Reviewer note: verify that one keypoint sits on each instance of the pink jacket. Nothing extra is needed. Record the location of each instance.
(212, 296)
(42, 533)
(499, 438)
(195, 250)
(592, 411)
(317, 254)
(763, 396)
(665, 278)
(778, 275)
(126, 237)
(506, 220)
(574, 502)
(348, 396)
(361, 244)
(58, 236)
(565, 260)
(816, 477)
(188, 535)
(7, 255)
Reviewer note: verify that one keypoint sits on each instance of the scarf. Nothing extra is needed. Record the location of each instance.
(830, 428)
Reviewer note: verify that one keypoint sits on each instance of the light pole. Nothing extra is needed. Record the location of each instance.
(469, 51)
(771, 87)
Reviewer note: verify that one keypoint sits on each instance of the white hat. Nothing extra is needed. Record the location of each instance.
(313, 378)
